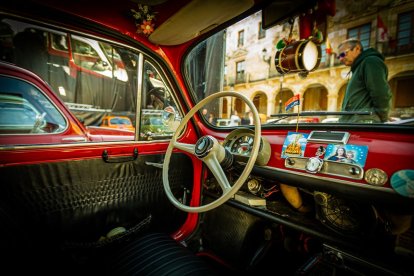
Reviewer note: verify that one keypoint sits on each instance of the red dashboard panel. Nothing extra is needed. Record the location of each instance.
(388, 151)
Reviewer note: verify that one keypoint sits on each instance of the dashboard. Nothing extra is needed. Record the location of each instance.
(309, 159)
(373, 164)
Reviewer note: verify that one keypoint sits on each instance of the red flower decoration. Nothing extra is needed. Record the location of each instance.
(147, 27)
(143, 19)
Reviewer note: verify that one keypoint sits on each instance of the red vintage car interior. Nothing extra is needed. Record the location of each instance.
(61, 194)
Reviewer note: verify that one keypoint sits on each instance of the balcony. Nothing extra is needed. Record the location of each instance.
(241, 78)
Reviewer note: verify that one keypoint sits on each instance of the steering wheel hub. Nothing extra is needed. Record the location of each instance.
(203, 146)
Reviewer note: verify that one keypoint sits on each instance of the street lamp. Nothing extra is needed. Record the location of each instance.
(280, 93)
(265, 56)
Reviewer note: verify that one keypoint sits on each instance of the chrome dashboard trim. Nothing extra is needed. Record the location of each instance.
(340, 181)
(326, 137)
(327, 167)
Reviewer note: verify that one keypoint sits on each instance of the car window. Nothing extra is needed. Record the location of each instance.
(284, 73)
(97, 80)
(159, 114)
(25, 110)
(120, 121)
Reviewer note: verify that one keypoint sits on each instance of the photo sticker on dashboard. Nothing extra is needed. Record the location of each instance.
(295, 144)
(351, 154)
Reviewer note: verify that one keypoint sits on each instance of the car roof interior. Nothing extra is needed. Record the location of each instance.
(194, 18)
(180, 21)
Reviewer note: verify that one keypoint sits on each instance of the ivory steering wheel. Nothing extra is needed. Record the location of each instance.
(211, 152)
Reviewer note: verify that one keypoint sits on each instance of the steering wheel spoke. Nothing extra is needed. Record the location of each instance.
(185, 147)
(215, 168)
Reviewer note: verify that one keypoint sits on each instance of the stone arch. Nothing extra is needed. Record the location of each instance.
(259, 100)
(315, 98)
(281, 98)
(402, 99)
(239, 105)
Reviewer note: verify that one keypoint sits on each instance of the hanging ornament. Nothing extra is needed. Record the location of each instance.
(144, 19)
(282, 43)
(317, 36)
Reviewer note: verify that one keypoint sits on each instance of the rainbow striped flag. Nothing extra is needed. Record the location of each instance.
(295, 100)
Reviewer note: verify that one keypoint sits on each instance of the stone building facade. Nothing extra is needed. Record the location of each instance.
(253, 71)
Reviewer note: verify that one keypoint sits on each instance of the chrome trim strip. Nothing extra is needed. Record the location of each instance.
(340, 181)
(352, 171)
(138, 110)
(80, 144)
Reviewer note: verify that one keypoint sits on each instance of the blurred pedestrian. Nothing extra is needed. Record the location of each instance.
(247, 118)
(235, 119)
(211, 119)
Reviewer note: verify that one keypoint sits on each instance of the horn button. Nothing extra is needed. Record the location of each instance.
(203, 146)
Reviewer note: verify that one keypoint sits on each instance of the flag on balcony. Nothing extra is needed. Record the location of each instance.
(328, 47)
(382, 33)
(295, 100)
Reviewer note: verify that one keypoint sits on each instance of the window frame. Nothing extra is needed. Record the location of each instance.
(410, 36)
(365, 42)
(261, 32)
(240, 71)
(240, 38)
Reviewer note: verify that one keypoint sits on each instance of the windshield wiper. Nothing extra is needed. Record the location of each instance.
(277, 120)
(320, 113)
(282, 116)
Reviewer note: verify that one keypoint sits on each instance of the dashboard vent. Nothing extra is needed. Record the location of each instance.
(323, 137)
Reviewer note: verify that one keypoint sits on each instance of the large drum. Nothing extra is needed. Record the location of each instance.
(298, 56)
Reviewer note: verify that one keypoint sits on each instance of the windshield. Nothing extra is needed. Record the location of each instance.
(341, 70)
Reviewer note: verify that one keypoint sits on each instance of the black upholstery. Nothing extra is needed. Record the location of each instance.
(81, 200)
(156, 254)
(151, 254)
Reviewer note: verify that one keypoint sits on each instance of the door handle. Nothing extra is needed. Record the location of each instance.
(119, 159)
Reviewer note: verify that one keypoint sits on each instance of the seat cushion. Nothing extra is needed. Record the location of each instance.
(156, 254)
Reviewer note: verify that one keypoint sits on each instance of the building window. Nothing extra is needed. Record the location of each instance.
(324, 58)
(262, 33)
(405, 35)
(240, 67)
(240, 39)
(362, 33)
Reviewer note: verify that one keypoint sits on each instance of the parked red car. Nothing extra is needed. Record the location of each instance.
(31, 113)
(182, 194)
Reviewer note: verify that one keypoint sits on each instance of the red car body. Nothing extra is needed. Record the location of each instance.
(75, 131)
(391, 149)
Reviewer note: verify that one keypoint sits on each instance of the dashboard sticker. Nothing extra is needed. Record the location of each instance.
(352, 154)
(295, 144)
(403, 182)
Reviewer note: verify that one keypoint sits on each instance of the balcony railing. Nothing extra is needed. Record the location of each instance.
(389, 49)
(241, 78)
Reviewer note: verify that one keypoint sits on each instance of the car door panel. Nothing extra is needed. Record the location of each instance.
(78, 197)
